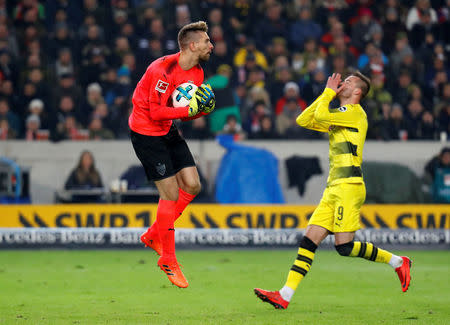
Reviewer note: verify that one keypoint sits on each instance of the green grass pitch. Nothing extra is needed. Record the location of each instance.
(126, 287)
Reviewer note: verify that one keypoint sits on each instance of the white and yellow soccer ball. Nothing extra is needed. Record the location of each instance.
(183, 94)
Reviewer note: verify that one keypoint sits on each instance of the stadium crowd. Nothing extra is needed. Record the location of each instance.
(68, 68)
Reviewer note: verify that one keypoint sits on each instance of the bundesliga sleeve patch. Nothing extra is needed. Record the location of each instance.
(161, 86)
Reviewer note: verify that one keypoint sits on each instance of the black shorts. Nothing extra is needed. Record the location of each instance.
(162, 156)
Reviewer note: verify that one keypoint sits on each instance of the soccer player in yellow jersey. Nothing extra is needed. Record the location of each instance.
(339, 208)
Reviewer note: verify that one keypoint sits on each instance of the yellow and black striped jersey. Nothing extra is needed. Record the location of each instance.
(347, 128)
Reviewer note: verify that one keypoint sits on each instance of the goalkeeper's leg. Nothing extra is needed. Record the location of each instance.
(345, 246)
(189, 186)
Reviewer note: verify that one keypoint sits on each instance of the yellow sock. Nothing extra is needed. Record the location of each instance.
(301, 266)
(370, 252)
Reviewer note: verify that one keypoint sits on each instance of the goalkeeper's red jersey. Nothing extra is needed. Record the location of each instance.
(152, 102)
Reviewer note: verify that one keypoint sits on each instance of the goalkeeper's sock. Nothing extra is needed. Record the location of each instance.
(301, 266)
(369, 252)
(184, 198)
(165, 217)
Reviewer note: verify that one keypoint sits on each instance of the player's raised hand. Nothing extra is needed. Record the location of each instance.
(334, 82)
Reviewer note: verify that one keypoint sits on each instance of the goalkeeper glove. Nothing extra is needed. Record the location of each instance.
(193, 106)
(206, 97)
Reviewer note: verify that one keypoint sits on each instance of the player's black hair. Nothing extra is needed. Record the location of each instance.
(186, 31)
(364, 85)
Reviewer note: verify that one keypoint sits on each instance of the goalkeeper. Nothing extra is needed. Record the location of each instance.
(339, 208)
(164, 154)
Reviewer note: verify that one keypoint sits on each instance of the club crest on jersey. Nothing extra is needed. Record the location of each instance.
(161, 169)
(161, 86)
(342, 109)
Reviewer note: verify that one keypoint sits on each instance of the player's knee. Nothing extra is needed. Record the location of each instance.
(308, 244)
(193, 188)
(344, 249)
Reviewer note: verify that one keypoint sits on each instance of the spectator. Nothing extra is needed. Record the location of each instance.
(401, 90)
(32, 125)
(303, 29)
(66, 86)
(8, 68)
(63, 64)
(415, 93)
(122, 47)
(36, 108)
(98, 132)
(274, 43)
(220, 55)
(401, 49)
(10, 40)
(360, 30)
(85, 175)
(413, 119)
(437, 173)
(336, 31)
(427, 130)
(327, 8)
(14, 123)
(415, 13)
(371, 51)
(94, 64)
(419, 31)
(69, 129)
(392, 26)
(6, 133)
(396, 126)
(287, 118)
(282, 75)
(198, 130)
(250, 52)
(310, 59)
(92, 8)
(61, 39)
(94, 97)
(315, 86)
(88, 21)
(382, 125)
(66, 108)
(253, 120)
(267, 130)
(233, 127)
(277, 48)
(7, 91)
(291, 91)
(271, 26)
(443, 122)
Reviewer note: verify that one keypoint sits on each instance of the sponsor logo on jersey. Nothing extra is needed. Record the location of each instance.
(161, 86)
(342, 109)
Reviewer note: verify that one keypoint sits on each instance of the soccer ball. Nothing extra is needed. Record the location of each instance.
(183, 94)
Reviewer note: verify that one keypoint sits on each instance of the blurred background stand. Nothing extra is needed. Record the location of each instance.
(14, 182)
(92, 195)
